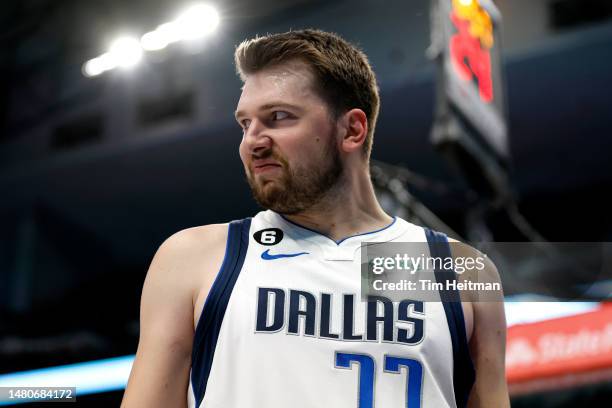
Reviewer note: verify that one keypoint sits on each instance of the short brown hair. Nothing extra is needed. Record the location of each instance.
(345, 79)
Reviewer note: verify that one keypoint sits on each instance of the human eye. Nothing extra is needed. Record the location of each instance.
(279, 115)
(244, 124)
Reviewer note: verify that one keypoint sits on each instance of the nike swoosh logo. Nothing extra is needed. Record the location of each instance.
(268, 256)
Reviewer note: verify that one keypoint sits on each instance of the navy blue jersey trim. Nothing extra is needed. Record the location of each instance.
(209, 325)
(463, 367)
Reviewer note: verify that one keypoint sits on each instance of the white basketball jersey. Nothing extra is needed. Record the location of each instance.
(284, 326)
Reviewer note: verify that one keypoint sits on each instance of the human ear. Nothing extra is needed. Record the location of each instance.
(355, 126)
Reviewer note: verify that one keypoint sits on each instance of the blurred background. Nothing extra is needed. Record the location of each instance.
(101, 161)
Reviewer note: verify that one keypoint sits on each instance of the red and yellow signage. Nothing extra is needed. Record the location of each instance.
(470, 46)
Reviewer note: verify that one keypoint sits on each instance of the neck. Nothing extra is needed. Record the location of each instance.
(350, 208)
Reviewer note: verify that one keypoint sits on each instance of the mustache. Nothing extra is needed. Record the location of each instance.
(263, 154)
(269, 153)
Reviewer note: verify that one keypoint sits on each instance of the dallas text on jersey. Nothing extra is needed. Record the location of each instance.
(297, 312)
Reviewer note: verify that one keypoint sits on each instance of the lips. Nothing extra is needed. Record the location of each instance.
(260, 166)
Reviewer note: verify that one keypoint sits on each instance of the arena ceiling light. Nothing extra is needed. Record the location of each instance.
(194, 23)
(98, 65)
(197, 21)
(124, 52)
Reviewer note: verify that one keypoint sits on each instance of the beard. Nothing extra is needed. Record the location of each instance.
(298, 188)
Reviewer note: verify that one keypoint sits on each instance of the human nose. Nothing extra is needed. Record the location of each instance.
(256, 137)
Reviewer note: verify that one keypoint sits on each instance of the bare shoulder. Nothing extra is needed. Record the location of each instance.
(194, 241)
(192, 257)
(484, 266)
(183, 264)
(199, 253)
(186, 249)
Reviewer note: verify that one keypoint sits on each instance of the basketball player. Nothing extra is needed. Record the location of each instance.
(266, 312)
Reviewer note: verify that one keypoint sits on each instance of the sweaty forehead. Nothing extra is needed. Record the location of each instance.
(290, 82)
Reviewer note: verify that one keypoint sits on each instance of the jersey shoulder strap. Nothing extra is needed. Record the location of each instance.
(209, 325)
(463, 367)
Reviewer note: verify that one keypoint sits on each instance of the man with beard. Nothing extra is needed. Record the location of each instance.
(265, 312)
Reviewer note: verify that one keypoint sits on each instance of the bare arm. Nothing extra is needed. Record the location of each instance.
(183, 265)
(486, 329)
(488, 350)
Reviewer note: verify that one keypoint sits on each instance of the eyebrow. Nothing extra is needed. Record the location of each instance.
(269, 106)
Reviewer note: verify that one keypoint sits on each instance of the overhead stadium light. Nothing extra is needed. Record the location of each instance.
(98, 65)
(197, 21)
(194, 23)
(159, 39)
(126, 52)
(95, 66)
(154, 40)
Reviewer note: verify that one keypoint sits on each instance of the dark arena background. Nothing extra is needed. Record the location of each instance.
(114, 137)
